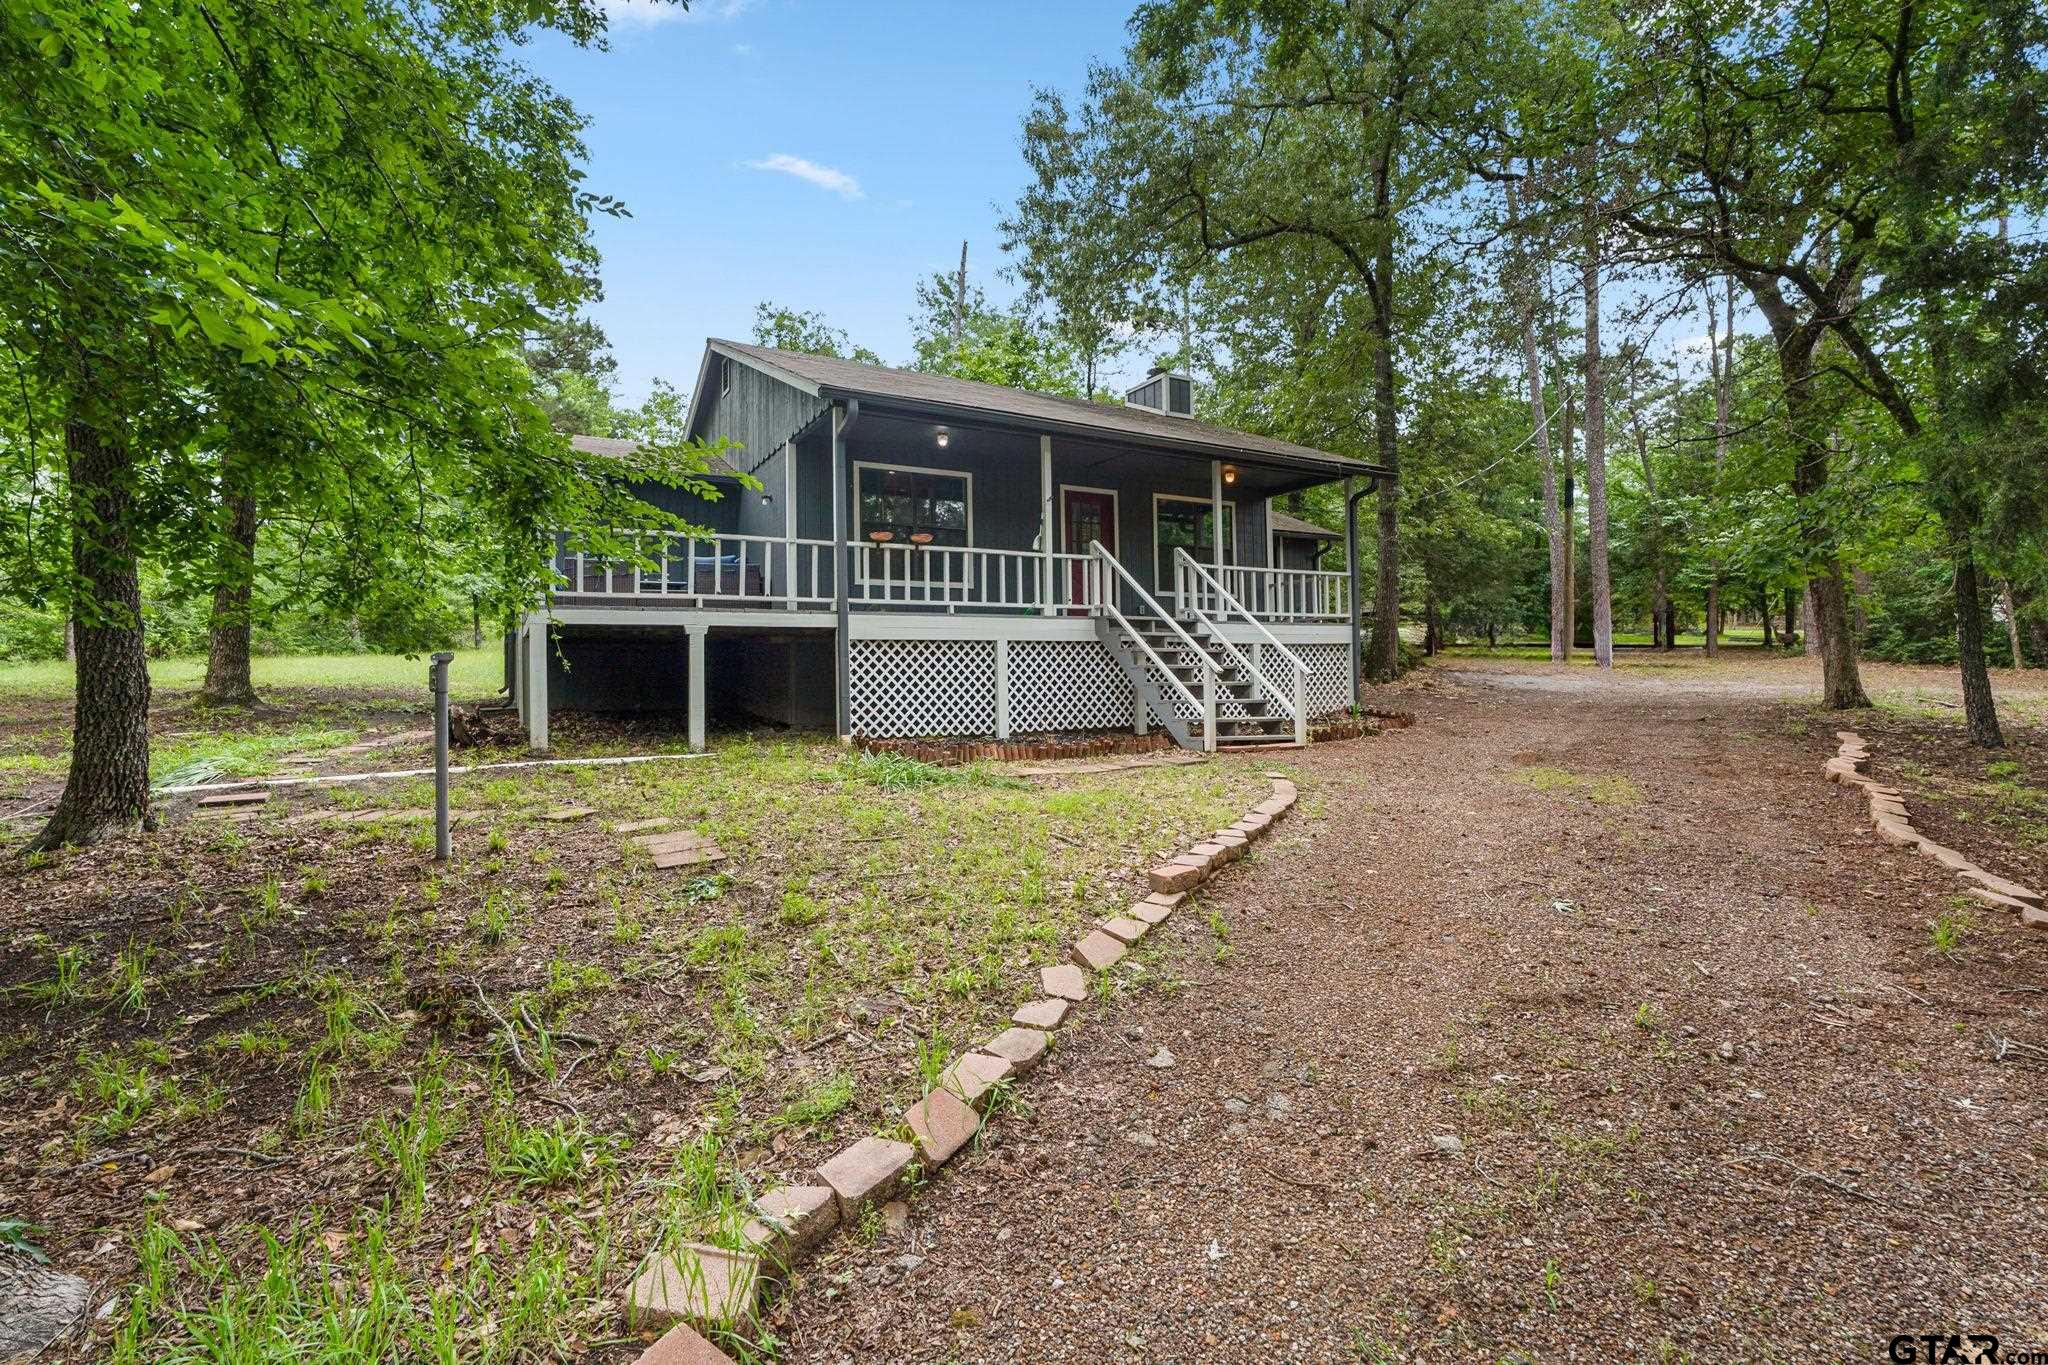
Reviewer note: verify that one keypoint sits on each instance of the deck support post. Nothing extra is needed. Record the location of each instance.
(1045, 516)
(1002, 687)
(700, 638)
(789, 585)
(537, 681)
(1141, 715)
(842, 572)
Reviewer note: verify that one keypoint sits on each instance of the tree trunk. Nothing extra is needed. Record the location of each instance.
(1791, 616)
(1763, 610)
(960, 303)
(71, 639)
(1979, 710)
(1721, 357)
(106, 790)
(1596, 436)
(476, 621)
(1571, 533)
(1841, 680)
(2012, 623)
(1383, 654)
(1553, 516)
(228, 682)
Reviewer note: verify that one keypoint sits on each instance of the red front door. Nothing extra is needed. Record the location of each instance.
(1086, 515)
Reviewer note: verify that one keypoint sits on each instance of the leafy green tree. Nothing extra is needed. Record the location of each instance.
(1303, 131)
(355, 210)
(791, 329)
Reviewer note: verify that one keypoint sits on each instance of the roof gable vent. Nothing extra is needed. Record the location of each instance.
(1166, 391)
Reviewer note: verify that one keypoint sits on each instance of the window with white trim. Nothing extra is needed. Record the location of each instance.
(896, 504)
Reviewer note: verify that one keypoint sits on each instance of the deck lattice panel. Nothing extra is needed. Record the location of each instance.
(902, 688)
(1066, 685)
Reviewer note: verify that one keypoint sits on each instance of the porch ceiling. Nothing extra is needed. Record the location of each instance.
(892, 436)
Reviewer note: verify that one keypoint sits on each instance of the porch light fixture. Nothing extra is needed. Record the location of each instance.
(1230, 473)
(767, 499)
(944, 438)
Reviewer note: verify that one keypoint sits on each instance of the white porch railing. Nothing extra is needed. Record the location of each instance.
(767, 571)
(1194, 583)
(1109, 581)
(1273, 594)
(968, 577)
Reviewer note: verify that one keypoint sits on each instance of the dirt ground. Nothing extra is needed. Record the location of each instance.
(1583, 1020)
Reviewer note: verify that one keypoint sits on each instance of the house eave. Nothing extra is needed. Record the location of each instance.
(1328, 468)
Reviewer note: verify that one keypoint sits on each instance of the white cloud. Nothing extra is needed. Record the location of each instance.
(742, 49)
(824, 177)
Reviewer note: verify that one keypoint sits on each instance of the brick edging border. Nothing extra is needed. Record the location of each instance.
(1850, 767)
(701, 1286)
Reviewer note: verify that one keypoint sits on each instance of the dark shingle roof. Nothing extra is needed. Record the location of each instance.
(1108, 420)
(1295, 526)
(618, 447)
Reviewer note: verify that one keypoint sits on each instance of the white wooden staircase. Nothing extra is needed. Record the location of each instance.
(1208, 692)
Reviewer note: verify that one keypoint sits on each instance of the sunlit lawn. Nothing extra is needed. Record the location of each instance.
(474, 673)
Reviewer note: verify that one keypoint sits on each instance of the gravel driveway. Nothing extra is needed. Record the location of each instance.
(1579, 1025)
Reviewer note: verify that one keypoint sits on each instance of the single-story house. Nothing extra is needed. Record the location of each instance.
(929, 556)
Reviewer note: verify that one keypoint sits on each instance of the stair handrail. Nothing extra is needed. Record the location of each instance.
(1105, 587)
(1295, 702)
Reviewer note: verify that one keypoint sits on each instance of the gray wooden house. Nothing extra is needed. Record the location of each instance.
(930, 556)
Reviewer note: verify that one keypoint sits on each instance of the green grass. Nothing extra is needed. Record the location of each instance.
(473, 1060)
(475, 673)
(1612, 790)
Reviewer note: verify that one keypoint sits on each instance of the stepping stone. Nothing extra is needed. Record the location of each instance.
(865, 1173)
(680, 1345)
(2010, 889)
(1178, 875)
(942, 1123)
(1848, 737)
(1098, 951)
(707, 1287)
(1041, 1014)
(635, 826)
(682, 848)
(563, 813)
(1127, 930)
(1167, 900)
(1022, 1048)
(253, 796)
(973, 1074)
(1150, 913)
(791, 1218)
(1064, 982)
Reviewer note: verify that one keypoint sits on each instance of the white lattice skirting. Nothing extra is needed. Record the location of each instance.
(1329, 681)
(905, 688)
(928, 688)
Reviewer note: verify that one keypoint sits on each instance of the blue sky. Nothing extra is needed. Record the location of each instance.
(822, 154)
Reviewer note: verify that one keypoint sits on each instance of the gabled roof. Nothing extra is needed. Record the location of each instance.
(619, 447)
(1295, 526)
(828, 377)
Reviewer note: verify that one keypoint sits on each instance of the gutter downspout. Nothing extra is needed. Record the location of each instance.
(1372, 483)
(844, 415)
